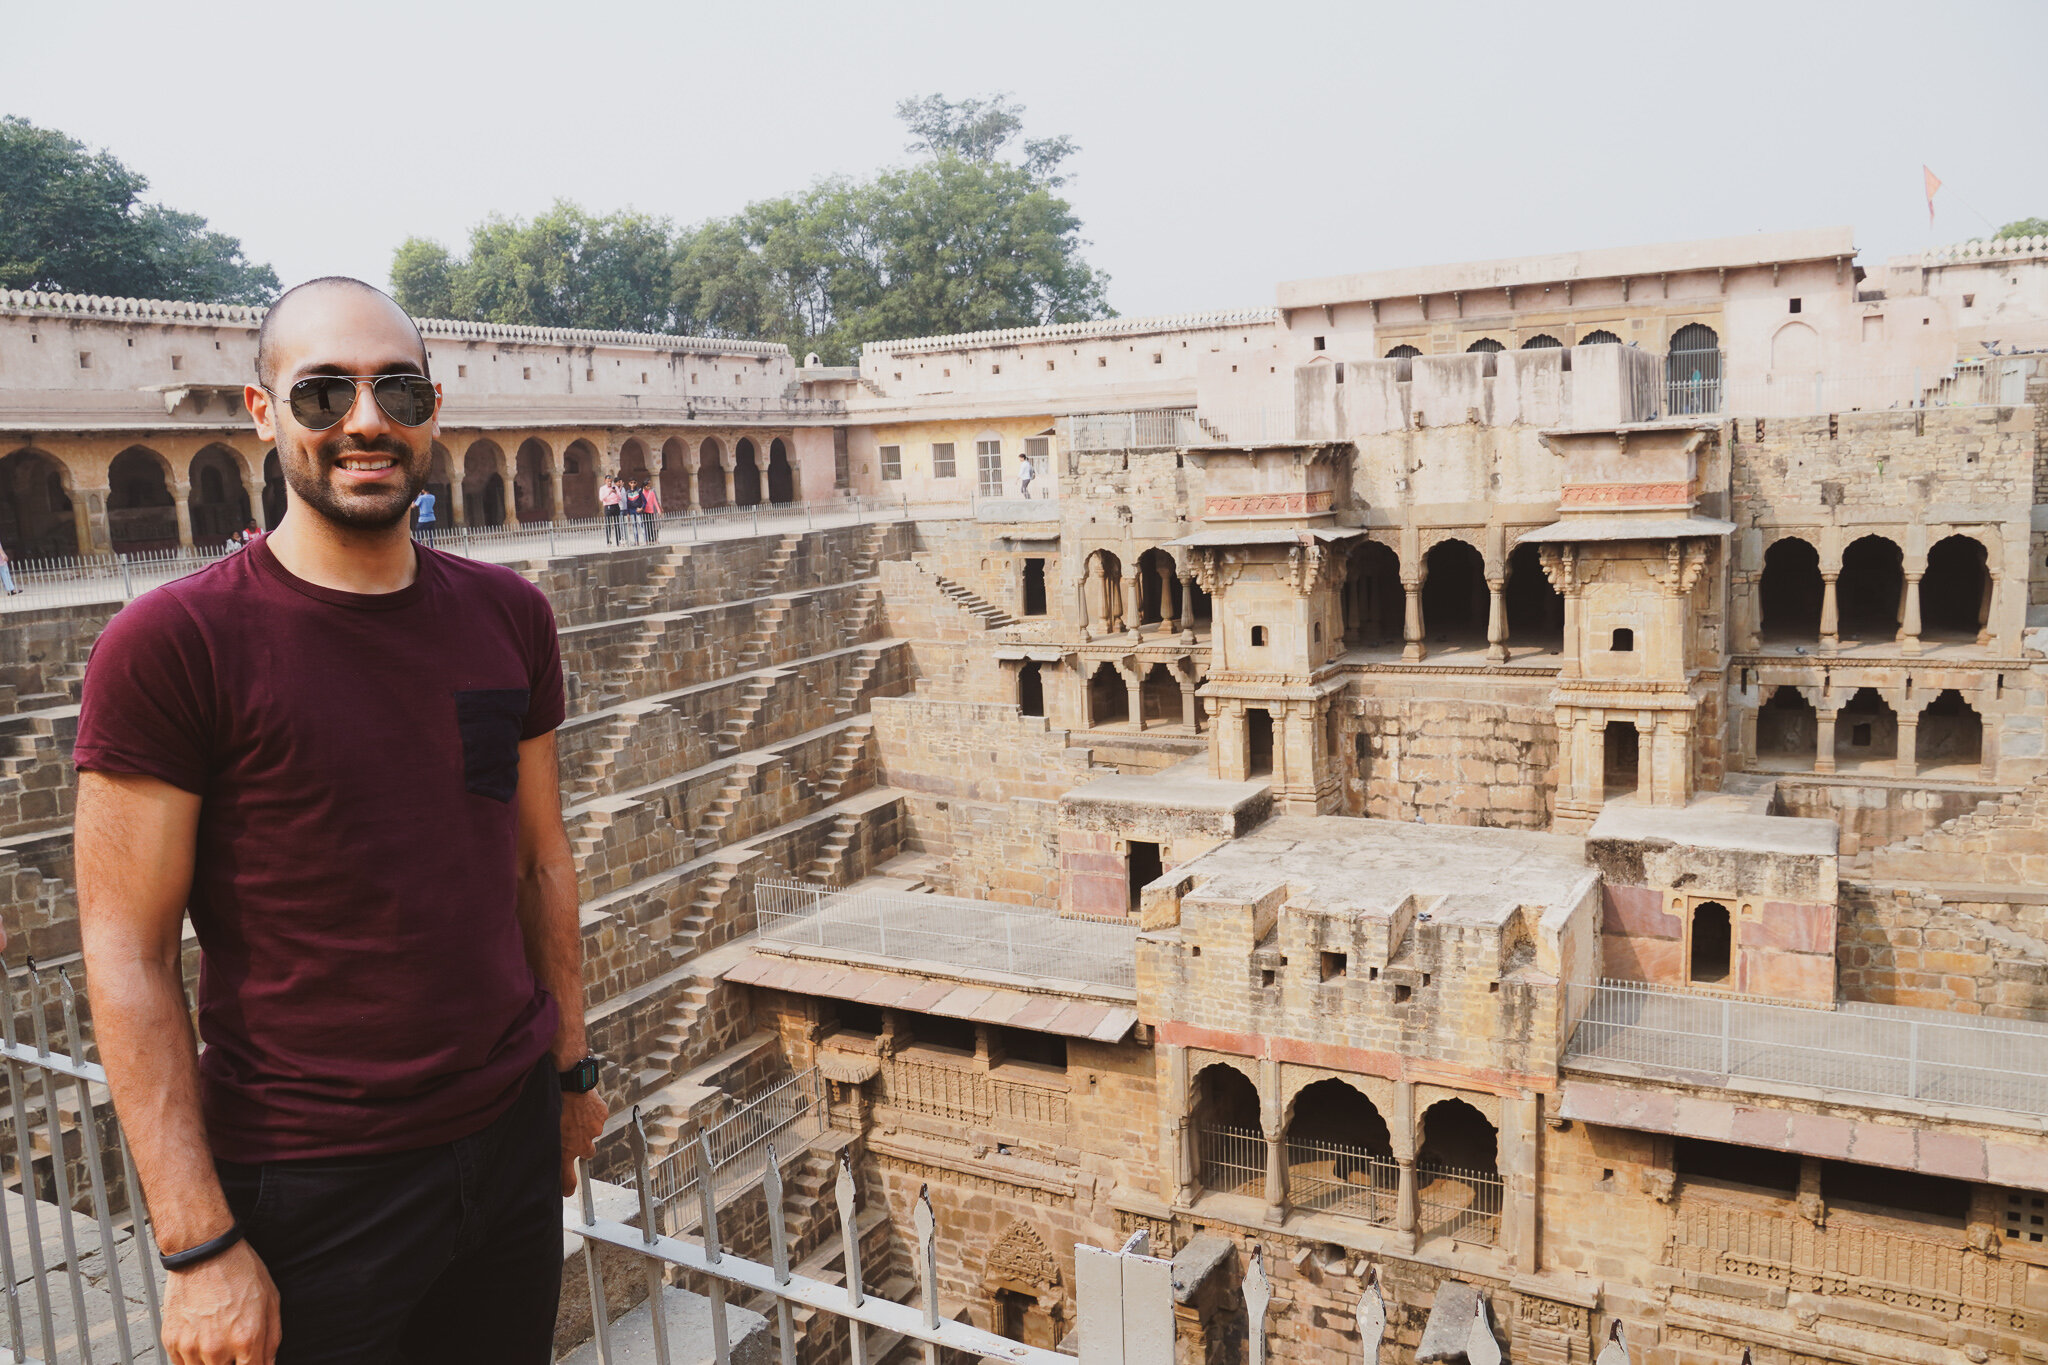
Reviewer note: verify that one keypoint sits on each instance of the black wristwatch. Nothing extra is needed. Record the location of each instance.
(580, 1078)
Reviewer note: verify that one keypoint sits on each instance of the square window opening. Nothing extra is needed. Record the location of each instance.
(1334, 966)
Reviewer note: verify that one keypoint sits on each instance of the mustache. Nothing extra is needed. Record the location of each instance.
(342, 447)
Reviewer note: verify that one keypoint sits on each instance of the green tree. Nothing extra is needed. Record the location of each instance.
(563, 268)
(2025, 227)
(72, 220)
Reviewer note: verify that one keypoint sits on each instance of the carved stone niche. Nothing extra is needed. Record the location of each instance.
(1022, 1281)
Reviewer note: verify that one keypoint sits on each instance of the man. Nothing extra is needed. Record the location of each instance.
(337, 749)
(1025, 474)
(423, 516)
(609, 497)
(636, 512)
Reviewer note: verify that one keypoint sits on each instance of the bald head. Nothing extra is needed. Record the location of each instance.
(332, 313)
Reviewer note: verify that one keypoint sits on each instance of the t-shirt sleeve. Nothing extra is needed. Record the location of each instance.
(545, 707)
(147, 704)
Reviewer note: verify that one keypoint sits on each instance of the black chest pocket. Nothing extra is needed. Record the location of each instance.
(490, 720)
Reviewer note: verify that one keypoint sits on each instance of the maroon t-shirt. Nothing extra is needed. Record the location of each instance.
(363, 984)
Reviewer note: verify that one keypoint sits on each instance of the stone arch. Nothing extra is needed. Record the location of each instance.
(580, 475)
(1485, 346)
(1455, 599)
(1225, 1091)
(746, 474)
(218, 502)
(483, 484)
(1022, 1279)
(441, 483)
(1158, 587)
(1109, 700)
(1337, 1109)
(781, 478)
(1103, 592)
(1955, 592)
(1403, 352)
(1871, 590)
(710, 473)
(37, 520)
(1787, 728)
(1535, 609)
(533, 481)
(675, 475)
(141, 513)
(1542, 341)
(1950, 733)
(1795, 350)
(1599, 336)
(1866, 731)
(633, 458)
(1159, 694)
(1031, 688)
(1620, 757)
(1789, 591)
(1710, 944)
(1454, 1134)
(1692, 370)
(1372, 597)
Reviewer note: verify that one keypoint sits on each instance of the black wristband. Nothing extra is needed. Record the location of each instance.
(205, 1251)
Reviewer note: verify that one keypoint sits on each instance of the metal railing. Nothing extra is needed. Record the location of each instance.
(1019, 940)
(113, 578)
(791, 1109)
(964, 1095)
(1462, 1204)
(1873, 1050)
(1233, 1160)
(1334, 1177)
(1147, 430)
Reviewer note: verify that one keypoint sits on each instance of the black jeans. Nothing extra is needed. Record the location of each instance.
(447, 1253)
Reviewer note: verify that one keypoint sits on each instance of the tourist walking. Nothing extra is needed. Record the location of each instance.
(423, 516)
(1025, 474)
(7, 576)
(608, 495)
(337, 750)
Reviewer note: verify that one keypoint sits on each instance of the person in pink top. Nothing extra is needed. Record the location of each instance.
(652, 525)
(608, 495)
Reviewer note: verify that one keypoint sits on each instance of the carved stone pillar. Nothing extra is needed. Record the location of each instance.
(89, 508)
(1824, 741)
(691, 490)
(1909, 627)
(1186, 1174)
(456, 514)
(1187, 607)
(1908, 761)
(1496, 621)
(1412, 650)
(1404, 1197)
(181, 494)
(1136, 687)
(727, 462)
(1276, 1176)
(1830, 615)
(1984, 608)
(1132, 602)
(1187, 707)
(1095, 597)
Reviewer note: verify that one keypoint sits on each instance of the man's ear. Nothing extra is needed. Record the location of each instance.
(258, 402)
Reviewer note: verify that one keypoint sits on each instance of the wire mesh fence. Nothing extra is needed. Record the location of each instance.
(1881, 1050)
(1019, 940)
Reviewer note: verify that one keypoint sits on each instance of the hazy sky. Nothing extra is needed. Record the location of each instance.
(1225, 147)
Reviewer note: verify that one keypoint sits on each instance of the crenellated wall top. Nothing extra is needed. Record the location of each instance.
(1075, 331)
(1983, 249)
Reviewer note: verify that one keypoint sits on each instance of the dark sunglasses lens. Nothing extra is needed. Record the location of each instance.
(318, 403)
(406, 399)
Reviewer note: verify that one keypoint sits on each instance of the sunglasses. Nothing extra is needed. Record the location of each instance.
(322, 400)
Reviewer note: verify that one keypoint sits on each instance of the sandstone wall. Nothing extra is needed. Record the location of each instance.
(1452, 749)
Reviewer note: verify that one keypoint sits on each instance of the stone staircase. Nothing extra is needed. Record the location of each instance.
(2002, 842)
(846, 757)
(710, 831)
(591, 780)
(992, 616)
(860, 618)
(641, 597)
(767, 625)
(870, 552)
(854, 692)
(740, 722)
(777, 564)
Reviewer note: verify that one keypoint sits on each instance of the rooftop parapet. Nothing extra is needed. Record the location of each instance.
(1076, 331)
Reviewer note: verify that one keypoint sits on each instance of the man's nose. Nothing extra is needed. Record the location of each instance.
(364, 416)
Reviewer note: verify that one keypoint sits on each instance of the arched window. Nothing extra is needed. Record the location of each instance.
(1109, 701)
(1786, 730)
(141, 514)
(1485, 346)
(710, 474)
(1600, 338)
(1692, 371)
(1950, 735)
(1710, 957)
(781, 478)
(1372, 598)
(1340, 1155)
(1955, 593)
(1258, 741)
(218, 504)
(675, 475)
(1454, 595)
(1542, 341)
(1535, 609)
(533, 493)
(36, 519)
(1623, 642)
(1619, 759)
(1158, 587)
(1160, 693)
(1871, 589)
(1457, 1174)
(1225, 1117)
(1789, 593)
(1866, 732)
(1030, 689)
(1403, 353)
(746, 475)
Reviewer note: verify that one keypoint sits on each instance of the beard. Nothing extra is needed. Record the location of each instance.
(308, 467)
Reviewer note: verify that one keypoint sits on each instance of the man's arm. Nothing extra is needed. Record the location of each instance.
(554, 935)
(134, 845)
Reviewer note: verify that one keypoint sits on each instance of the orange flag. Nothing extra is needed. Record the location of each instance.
(1933, 184)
